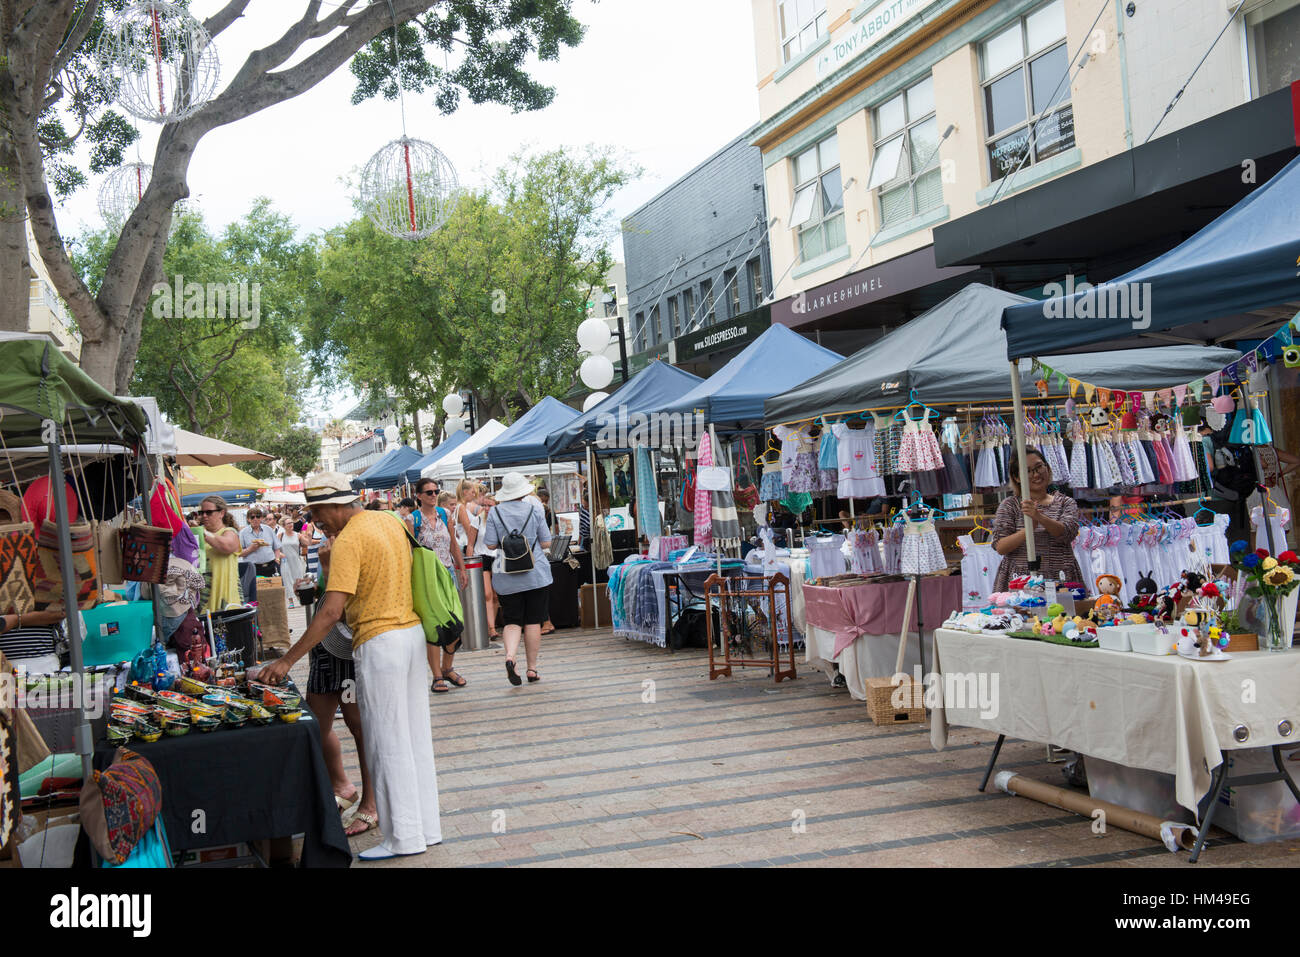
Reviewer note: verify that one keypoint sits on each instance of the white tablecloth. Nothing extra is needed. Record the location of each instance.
(1163, 714)
(870, 656)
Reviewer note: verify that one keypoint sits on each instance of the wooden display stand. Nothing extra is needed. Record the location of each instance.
(589, 596)
(737, 597)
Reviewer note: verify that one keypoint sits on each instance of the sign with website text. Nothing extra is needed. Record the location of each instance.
(724, 335)
(876, 24)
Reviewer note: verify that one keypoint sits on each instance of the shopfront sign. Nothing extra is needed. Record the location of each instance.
(868, 30)
(724, 335)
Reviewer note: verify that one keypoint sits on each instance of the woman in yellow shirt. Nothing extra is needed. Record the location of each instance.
(221, 539)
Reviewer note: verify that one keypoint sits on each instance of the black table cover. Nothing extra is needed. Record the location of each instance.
(251, 783)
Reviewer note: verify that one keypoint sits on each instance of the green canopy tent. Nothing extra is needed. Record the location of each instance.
(47, 402)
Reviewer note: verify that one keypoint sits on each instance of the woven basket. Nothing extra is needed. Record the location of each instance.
(145, 551)
(881, 708)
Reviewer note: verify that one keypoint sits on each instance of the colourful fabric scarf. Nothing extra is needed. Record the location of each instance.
(703, 504)
(647, 494)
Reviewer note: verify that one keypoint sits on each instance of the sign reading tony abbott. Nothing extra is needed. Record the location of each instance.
(868, 30)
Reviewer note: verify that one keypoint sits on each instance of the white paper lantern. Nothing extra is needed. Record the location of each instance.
(122, 191)
(453, 404)
(597, 372)
(407, 188)
(454, 424)
(160, 62)
(593, 400)
(593, 335)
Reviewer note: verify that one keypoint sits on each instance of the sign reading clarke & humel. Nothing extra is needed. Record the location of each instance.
(868, 30)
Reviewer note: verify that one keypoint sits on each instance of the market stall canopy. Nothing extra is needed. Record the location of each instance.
(160, 436)
(389, 471)
(1235, 279)
(956, 353)
(450, 466)
(452, 442)
(217, 480)
(653, 387)
(524, 442)
(777, 360)
(232, 497)
(195, 449)
(39, 382)
(277, 496)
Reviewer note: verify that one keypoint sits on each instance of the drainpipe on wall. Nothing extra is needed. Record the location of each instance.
(1123, 72)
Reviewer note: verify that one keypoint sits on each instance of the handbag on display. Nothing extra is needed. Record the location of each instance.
(145, 551)
(108, 552)
(47, 584)
(745, 491)
(18, 564)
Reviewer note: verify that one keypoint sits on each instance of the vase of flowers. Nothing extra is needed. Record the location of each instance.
(1270, 580)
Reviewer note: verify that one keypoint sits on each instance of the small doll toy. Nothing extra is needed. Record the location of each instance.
(1109, 586)
(1144, 592)
(1097, 417)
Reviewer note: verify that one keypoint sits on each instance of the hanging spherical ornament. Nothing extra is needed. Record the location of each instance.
(453, 404)
(596, 372)
(593, 400)
(407, 188)
(453, 425)
(160, 62)
(122, 190)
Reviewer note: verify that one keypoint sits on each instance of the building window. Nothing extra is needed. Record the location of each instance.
(732, 292)
(906, 137)
(611, 302)
(755, 270)
(706, 296)
(642, 333)
(655, 331)
(688, 308)
(818, 210)
(1026, 79)
(1273, 44)
(674, 319)
(803, 22)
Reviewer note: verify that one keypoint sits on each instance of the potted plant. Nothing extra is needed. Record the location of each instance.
(1270, 580)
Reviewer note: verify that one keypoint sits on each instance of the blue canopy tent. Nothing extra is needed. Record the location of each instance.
(777, 360)
(452, 443)
(524, 443)
(1235, 279)
(240, 497)
(652, 388)
(389, 471)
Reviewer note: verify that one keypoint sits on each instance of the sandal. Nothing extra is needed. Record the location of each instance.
(439, 686)
(346, 804)
(533, 676)
(512, 674)
(369, 820)
(455, 678)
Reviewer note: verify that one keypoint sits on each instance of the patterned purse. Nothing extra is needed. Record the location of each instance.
(47, 582)
(18, 563)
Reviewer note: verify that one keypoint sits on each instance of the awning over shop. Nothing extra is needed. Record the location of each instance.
(452, 443)
(653, 387)
(777, 360)
(1238, 277)
(389, 471)
(956, 353)
(451, 465)
(524, 442)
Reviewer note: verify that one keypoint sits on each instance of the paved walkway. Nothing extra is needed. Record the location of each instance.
(626, 755)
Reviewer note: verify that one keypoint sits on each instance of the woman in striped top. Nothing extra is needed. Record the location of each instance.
(309, 540)
(32, 640)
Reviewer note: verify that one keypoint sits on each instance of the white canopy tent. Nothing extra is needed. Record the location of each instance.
(449, 466)
(538, 469)
(276, 496)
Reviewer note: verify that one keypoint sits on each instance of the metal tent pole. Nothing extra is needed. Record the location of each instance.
(591, 522)
(83, 743)
(1017, 402)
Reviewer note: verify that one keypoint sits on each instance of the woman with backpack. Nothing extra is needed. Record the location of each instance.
(523, 573)
(427, 524)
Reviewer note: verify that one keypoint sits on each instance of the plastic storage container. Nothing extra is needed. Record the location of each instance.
(1114, 639)
(1261, 812)
(1151, 792)
(116, 632)
(1147, 640)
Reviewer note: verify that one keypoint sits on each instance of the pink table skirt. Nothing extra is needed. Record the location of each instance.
(877, 609)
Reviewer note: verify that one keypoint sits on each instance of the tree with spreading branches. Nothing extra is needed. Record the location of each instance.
(48, 75)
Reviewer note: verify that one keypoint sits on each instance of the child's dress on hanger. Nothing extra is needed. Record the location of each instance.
(919, 450)
(856, 457)
(921, 552)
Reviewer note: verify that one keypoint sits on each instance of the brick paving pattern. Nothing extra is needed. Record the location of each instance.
(593, 767)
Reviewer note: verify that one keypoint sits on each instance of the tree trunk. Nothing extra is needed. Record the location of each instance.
(15, 266)
(419, 440)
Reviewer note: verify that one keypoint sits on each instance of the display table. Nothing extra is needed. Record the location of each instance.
(563, 594)
(687, 581)
(1163, 714)
(251, 784)
(857, 627)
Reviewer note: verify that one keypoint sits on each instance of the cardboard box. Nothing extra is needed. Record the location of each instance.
(589, 606)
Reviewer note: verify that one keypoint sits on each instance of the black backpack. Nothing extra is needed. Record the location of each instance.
(516, 552)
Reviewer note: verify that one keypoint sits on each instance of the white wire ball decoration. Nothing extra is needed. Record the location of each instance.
(121, 191)
(407, 188)
(161, 62)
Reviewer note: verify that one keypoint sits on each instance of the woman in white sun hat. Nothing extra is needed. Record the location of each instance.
(522, 577)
